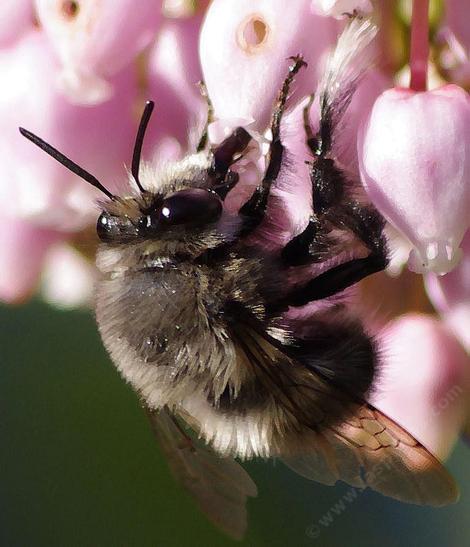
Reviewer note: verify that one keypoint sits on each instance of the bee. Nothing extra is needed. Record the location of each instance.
(195, 315)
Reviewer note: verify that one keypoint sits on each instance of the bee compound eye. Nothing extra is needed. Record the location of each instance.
(108, 227)
(192, 206)
(103, 227)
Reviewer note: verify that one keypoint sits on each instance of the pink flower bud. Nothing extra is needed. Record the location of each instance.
(22, 250)
(34, 186)
(339, 8)
(425, 381)
(450, 295)
(16, 17)
(244, 51)
(94, 39)
(414, 154)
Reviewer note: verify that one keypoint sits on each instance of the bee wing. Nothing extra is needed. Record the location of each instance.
(219, 485)
(366, 449)
(372, 450)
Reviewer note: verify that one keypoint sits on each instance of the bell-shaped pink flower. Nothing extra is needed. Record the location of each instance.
(16, 17)
(244, 51)
(32, 185)
(95, 39)
(450, 295)
(424, 383)
(23, 248)
(339, 8)
(414, 154)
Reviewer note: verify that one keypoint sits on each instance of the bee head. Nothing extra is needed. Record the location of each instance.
(173, 217)
(181, 211)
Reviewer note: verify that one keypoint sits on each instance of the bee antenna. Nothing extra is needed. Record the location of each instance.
(66, 161)
(139, 140)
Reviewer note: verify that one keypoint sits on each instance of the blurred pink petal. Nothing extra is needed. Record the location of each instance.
(450, 295)
(32, 184)
(414, 155)
(173, 74)
(23, 247)
(456, 18)
(425, 383)
(67, 278)
(94, 39)
(338, 8)
(16, 17)
(244, 51)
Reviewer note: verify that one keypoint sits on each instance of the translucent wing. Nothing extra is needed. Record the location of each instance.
(219, 485)
(372, 450)
(368, 449)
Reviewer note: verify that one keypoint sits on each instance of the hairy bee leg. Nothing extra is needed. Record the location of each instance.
(333, 207)
(367, 225)
(202, 144)
(333, 281)
(312, 140)
(224, 155)
(328, 185)
(254, 209)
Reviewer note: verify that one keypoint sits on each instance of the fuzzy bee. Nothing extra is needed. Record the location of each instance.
(194, 315)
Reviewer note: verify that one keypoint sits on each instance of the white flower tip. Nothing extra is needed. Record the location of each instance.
(439, 257)
(84, 89)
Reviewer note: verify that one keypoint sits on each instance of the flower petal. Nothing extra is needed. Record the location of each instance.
(415, 164)
(425, 381)
(244, 51)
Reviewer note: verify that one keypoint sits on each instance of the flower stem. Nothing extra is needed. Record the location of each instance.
(419, 53)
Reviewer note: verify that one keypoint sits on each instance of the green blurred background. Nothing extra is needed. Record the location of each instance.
(79, 466)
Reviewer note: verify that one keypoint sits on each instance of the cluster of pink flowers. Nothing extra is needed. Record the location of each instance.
(77, 73)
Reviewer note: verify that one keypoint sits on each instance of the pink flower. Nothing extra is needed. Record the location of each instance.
(425, 381)
(450, 295)
(16, 17)
(23, 248)
(173, 74)
(94, 39)
(414, 156)
(32, 185)
(244, 49)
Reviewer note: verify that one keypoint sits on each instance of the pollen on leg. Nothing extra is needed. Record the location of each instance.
(253, 33)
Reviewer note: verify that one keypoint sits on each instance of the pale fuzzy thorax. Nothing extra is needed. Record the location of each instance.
(167, 177)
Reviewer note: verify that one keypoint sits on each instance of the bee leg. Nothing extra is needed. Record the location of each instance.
(328, 183)
(254, 209)
(334, 280)
(333, 206)
(225, 154)
(210, 118)
(311, 138)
